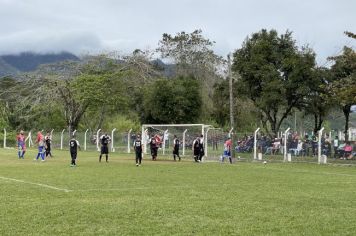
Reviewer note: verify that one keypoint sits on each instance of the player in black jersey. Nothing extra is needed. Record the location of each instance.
(48, 141)
(73, 147)
(201, 148)
(138, 150)
(196, 149)
(154, 147)
(104, 140)
(176, 144)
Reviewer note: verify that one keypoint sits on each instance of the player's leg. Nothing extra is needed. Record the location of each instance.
(42, 153)
(136, 158)
(23, 151)
(72, 155)
(19, 150)
(74, 159)
(101, 153)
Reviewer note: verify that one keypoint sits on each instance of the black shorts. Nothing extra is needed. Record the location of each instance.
(176, 151)
(73, 155)
(104, 150)
(196, 152)
(154, 151)
(138, 155)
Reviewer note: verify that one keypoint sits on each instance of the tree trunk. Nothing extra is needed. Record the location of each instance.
(318, 121)
(346, 110)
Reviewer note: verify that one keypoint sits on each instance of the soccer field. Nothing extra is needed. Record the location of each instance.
(173, 198)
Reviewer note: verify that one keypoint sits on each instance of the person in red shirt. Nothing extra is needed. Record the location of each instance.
(348, 150)
(21, 144)
(41, 142)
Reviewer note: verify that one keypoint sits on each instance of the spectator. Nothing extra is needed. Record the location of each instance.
(348, 151)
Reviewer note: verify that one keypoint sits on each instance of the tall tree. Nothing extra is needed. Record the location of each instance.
(275, 75)
(344, 85)
(319, 101)
(174, 101)
(193, 55)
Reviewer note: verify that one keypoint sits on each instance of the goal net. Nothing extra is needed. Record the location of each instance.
(214, 139)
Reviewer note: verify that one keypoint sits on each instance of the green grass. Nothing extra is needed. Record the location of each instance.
(173, 198)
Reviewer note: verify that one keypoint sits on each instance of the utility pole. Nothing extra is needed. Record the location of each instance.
(230, 92)
(231, 106)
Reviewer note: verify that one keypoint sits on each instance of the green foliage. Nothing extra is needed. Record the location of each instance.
(221, 103)
(319, 102)
(343, 86)
(193, 55)
(173, 101)
(275, 75)
(123, 123)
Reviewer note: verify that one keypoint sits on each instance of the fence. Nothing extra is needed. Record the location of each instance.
(251, 147)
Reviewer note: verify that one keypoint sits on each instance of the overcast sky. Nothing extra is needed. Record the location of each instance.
(85, 26)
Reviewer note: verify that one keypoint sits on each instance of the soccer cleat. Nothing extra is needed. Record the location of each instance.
(42, 160)
(136, 164)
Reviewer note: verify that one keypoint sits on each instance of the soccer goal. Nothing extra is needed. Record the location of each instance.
(213, 139)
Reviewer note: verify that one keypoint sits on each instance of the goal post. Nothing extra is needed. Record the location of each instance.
(186, 133)
(214, 139)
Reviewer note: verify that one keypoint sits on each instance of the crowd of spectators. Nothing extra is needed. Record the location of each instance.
(298, 146)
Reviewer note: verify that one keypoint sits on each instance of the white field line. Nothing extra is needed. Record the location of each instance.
(37, 184)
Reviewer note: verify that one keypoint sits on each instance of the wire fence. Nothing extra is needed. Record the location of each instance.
(288, 146)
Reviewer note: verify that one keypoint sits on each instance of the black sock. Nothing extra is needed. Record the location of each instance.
(107, 158)
(100, 158)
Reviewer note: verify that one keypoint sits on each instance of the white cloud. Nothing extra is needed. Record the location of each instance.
(124, 25)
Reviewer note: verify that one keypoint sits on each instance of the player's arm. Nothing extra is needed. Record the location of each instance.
(78, 145)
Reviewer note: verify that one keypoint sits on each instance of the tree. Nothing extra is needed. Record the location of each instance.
(193, 56)
(319, 101)
(174, 101)
(350, 34)
(343, 86)
(275, 75)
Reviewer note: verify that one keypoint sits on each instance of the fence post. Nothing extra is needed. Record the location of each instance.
(62, 139)
(164, 141)
(112, 140)
(230, 132)
(29, 139)
(320, 133)
(285, 144)
(206, 141)
(255, 144)
(85, 139)
(185, 131)
(97, 139)
(128, 141)
(144, 138)
(4, 138)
